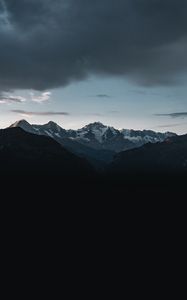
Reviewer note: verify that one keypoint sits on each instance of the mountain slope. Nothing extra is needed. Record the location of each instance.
(21, 151)
(98, 158)
(168, 157)
(99, 136)
(140, 138)
(50, 129)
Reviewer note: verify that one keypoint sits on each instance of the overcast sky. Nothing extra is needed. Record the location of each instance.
(121, 62)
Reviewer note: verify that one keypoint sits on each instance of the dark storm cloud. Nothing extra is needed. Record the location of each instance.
(173, 115)
(49, 43)
(45, 113)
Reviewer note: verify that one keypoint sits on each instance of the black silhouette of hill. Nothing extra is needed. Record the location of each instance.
(25, 153)
(166, 157)
(98, 158)
(160, 164)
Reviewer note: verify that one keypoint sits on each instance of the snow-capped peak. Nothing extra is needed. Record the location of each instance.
(96, 130)
(51, 123)
(145, 136)
(95, 125)
(53, 126)
(24, 125)
(20, 123)
(98, 136)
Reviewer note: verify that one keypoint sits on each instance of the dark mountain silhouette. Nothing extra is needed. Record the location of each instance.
(98, 158)
(22, 152)
(169, 156)
(161, 163)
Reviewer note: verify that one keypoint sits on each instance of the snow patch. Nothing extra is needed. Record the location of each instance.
(48, 133)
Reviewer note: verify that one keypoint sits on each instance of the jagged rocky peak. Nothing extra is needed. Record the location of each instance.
(170, 134)
(24, 125)
(53, 126)
(95, 125)
(97, 135)
(94, 130)
(20, 123)
(51, 123)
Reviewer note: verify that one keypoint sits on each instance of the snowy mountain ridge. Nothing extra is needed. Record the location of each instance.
(97, 136)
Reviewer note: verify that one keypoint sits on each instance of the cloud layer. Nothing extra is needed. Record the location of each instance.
(44, 113)
(102, 96)
(42, 98)
(7, 98)
(50, 43)
(174, 115)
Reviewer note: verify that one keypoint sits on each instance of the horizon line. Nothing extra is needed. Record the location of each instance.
(99, 122)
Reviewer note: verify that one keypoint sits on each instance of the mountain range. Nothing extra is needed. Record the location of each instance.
(34, 151)
(96, 142)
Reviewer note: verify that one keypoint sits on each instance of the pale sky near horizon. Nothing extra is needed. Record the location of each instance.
(112, 101)
(123, 63)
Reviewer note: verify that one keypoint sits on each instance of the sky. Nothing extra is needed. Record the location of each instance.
(120, 62)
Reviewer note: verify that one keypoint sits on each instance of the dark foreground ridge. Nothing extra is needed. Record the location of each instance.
(23, 153)
(169, 156)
